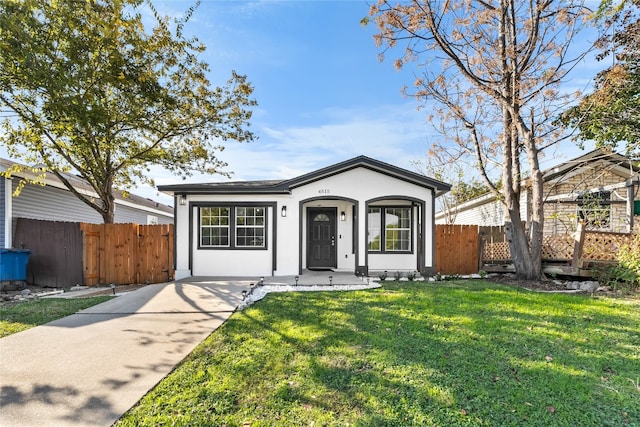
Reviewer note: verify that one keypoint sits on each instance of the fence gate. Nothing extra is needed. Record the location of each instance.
(56, 251)
(457, 249)
(127, 253)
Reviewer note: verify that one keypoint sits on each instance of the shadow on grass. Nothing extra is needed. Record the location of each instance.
(410, 355)
(486, 356)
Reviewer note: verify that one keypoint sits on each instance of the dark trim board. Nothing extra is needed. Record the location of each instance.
(272, 219)
(301, 224)
(414, 202)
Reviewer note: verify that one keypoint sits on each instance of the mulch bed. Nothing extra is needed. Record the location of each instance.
(536, 285)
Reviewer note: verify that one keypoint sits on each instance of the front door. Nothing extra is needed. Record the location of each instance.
(321, 238)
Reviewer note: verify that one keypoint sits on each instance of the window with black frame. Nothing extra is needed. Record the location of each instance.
(232, 227)
(250, 227)
(389, 229)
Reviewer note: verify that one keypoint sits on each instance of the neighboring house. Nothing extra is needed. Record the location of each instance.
(53, 202)
(599, 187)
(360, 215)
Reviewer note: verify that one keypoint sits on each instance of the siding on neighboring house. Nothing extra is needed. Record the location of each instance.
(129, 214)
(561, 215)
(51, 204)
(55, 204)
(491, 213)
(564, 186)
(485, 210)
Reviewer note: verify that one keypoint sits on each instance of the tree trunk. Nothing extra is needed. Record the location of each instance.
(536, 220)
(108, 217)
(108, 208)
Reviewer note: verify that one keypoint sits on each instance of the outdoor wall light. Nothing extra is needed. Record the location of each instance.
(283, 211)
(183, 199)
(343, 216)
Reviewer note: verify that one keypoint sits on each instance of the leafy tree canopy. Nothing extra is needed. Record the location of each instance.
(84, 87)
(610, 115)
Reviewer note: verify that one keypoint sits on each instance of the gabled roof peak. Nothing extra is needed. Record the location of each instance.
(285, 186)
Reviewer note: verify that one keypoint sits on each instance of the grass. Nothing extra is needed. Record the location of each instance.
(21, 316)
(453, 354)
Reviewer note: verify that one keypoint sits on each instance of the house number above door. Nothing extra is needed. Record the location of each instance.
(324, 191)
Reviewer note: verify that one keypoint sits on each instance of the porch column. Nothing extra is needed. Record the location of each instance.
(361, 222)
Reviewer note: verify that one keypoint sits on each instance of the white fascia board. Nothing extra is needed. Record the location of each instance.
(143, 208)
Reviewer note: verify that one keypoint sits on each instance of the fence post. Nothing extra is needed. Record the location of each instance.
(578, 245)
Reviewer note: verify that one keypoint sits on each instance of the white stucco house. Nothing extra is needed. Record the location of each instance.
(360, 215)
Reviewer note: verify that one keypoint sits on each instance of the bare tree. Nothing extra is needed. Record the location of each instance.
(494, 69)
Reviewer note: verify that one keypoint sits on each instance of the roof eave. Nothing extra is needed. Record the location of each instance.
(171, 190)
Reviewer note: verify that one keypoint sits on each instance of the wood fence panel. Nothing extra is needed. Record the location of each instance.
(91, 256)
(56, 251)
(155, 259)
(128, 253)
(457, 249)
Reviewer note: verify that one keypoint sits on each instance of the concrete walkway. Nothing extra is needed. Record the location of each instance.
(89, 368)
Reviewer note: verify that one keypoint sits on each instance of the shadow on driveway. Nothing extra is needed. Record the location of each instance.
(89, 368)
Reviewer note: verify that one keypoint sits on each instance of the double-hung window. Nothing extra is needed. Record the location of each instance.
(389, 229)
(250, 227)
(233, 227)
(214, 227)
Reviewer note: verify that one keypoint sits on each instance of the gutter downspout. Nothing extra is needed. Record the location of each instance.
(8, 212)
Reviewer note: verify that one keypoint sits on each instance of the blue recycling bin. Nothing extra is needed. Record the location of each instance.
(13, 264)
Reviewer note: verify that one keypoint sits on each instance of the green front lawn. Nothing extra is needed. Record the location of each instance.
(16, 317)
(448, 354)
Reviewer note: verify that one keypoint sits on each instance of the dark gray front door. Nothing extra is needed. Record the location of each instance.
(321, 238)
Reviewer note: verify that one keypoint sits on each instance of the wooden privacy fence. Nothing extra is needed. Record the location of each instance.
(466, 249)
(56, 251)
(457, 249)
(127, 253)
(65, 254)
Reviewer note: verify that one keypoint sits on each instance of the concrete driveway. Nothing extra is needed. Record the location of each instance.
(89, 368)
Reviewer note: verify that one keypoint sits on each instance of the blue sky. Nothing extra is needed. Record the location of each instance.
(323, 96)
